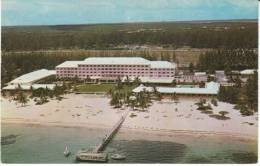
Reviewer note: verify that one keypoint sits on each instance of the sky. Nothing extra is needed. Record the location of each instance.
(55, 12)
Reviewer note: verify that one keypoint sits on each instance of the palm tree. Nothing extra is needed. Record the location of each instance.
(238, 82)
(157, 94)
(155, 90)
(22, 98)
(137, 81)
(142, 100)
(3, 93)
(110, 91)
(148, 96)
(12, 94)
(119, 83)
(127, 98)
(175, 98)
(133, 101)
(202, 84)
(88, 79)
(115, 101)
(127, 81)
(214, 102)
(174, 83)
(19, 87)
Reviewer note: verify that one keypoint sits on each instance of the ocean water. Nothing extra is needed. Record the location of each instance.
(43, 144)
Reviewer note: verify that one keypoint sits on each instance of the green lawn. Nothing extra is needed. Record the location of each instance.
(100, 87)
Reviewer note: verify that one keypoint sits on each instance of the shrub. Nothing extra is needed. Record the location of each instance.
(206, 112)
(219, 117)
(223, 113)
(214, 102)
(245, 111)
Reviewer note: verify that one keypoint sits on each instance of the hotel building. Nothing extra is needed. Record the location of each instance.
(110, 68)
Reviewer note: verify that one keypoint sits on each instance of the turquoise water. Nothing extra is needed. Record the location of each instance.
(42, 144)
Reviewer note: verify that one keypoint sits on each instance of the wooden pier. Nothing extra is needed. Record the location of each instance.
(96, 155)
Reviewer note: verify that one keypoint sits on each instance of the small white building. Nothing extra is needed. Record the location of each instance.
(150, 80)
(248, 72)
(200, 76)
(26, 81)
(211, 88)
(220, 76)
(32, 77)
(28, 87)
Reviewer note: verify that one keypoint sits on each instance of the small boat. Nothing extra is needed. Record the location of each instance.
(118, 157)
(66, 152)
(90, 156)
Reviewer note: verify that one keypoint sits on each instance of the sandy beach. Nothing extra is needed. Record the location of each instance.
(164, 117)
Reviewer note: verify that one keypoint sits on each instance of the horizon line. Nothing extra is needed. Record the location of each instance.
(138, 22)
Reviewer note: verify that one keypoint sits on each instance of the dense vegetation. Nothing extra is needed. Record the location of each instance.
(228, 59)
(244, 96)
(110, 36)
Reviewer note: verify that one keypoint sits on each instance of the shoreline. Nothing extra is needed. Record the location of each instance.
(159, 132)
(164, 117)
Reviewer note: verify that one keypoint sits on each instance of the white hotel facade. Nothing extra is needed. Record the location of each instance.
(110, 68)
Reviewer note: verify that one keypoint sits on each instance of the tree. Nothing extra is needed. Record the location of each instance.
(110, 91)
(88, 79)
(210, 78)
(245, 111)
(228, 94)
(137, 81)
(127, 81)
(159, 96)
(127, 98)
(43, 99)
(238, 82)
(75, 79)
(132, 101)
(228, 59)
(174, 83)
(115, 100)
(142, 100)
(227, 70)
(155, 90)
(174, 97)
(214, 102)
(3, 93)
(31, 88)
(191, 67)
(19, 87)
(22, 98)
(251, 91)
(119, 84)
(12, 94)
(202, 84)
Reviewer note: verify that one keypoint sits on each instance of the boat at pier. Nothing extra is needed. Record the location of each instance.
(118, 157)
(96, 155)
(89, 156)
